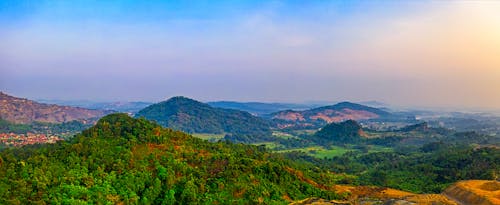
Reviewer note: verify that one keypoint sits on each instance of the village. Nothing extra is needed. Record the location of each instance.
(12, 139)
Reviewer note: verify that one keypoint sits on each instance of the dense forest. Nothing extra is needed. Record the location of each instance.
(339, 133)
(430, 169)
(181, 113)
(134, 161)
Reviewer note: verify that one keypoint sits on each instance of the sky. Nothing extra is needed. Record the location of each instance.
(405, 53)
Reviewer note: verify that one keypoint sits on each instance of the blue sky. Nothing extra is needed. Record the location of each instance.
(414, 53)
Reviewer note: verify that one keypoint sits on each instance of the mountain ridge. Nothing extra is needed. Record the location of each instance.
(22, 110)
(327, 114)
(259, 108)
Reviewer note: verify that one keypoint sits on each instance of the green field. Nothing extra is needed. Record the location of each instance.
(209, 137)
(284, 135)
(334, 151)
(320, 152)
(269, 145)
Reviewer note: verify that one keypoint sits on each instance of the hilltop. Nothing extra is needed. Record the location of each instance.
(192, 116)
(20, 110)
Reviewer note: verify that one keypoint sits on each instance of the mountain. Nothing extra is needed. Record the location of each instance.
(20, 110)
(259, 108)
(327, 114)
(127, 107)
(421, 127)
(340, 133)
(122, 160)
(374, 103)
(192, 116)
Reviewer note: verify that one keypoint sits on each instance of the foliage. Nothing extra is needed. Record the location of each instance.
(64, 129)
(195, 117)
(428, 170)
(8, 127)
(348, 132)
(122, 160)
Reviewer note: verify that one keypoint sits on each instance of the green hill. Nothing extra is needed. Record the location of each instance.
(191, 116)
(122, 160)
(340, 133)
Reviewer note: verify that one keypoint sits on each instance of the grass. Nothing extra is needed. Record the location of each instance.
(269, 145)
(329, 153)
(284, 135)
(375, 148)
(303, 132)
(208, 137)
(320, 152)
(334, 151)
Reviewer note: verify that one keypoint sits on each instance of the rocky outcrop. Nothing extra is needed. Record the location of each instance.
(20, 110)
(479, 192)
(476, 192)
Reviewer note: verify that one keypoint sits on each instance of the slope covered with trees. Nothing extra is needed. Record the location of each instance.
(134, 161)
(191, 116)
(65, 129)
(339, 133)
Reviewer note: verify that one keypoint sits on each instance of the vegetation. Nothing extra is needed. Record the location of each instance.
(416, 158)
(65, 129)
(419, 172)
(134, 161)
(191, 116)
(348, 132)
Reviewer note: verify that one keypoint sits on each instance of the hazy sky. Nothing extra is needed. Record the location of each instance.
(414, 53)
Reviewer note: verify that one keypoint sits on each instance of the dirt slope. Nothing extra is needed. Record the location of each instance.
(477, 192)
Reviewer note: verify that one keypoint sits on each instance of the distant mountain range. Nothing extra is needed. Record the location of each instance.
(119, 106)
(260, 108)
(327, 114)
(243, 122)
(255, 108)
(20, 110)
(192, 116)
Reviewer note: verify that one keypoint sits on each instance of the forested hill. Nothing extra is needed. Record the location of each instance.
(192, 116)
(122, 160)
(348, 131)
